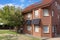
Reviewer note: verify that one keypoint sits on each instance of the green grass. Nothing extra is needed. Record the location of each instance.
(10, 38)
(35, 39)
(7, 32)
(7, 38)
(19, 36)
(1, 38)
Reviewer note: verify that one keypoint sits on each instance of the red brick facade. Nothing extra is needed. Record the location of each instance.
(45, 20)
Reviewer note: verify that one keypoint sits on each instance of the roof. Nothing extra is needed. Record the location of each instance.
(36, 5)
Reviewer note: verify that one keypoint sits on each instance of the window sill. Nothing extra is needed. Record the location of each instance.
(46, 33)
(45, 16)
(36, 32)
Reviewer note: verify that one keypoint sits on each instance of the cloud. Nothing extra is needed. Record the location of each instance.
(22, 6)
(10, 4)
(1, 6)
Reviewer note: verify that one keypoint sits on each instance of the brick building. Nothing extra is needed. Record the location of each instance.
(42, 19)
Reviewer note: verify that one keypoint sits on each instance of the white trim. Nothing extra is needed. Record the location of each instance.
(36, 13)
(29, 28)
(36, 28)
(45, 29)
(45, 12)
(52, 13)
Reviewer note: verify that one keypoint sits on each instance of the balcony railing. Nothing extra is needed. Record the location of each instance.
(36, 21)
(28, 22)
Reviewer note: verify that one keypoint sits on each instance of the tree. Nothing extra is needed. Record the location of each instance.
(12, 15)
(2, 20)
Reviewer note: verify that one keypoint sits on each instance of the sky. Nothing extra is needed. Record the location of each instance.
(18, 3)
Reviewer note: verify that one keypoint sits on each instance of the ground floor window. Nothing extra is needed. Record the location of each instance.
(54, 28)
(36, 28)
(29, 28)
(45, 29)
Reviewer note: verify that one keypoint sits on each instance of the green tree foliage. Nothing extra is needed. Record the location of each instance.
(11, 16)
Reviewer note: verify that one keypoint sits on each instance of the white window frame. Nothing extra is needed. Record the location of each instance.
(36, 28)
(58, 16)
(52, 13)
(56, 3)
(29, 15)
(45, 12)
(36, 13)
(58, 6)
(29, 28)
(45, 29)
(53, 29)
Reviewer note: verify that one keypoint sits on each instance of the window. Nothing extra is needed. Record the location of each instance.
(29, 28)
(45, 29)
(56, 4)
(45, 12)
(52, 13)
(36, 28)
(58, 16)
(53, 28)
(36, 13)
(28, 16)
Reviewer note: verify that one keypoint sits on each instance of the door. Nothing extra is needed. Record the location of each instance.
(55, 31)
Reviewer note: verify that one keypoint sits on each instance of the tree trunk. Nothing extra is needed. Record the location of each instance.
(15, 29)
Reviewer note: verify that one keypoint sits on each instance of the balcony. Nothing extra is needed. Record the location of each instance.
(36, 21)
(28, 22)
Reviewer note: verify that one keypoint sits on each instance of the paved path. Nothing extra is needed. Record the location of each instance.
(57, 38)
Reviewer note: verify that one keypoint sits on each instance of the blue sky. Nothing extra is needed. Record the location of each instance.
(21, 3)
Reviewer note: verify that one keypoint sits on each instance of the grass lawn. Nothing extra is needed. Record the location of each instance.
(15, 36)
(7, 32)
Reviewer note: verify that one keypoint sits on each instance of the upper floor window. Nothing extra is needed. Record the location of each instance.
(36, 13)
(56, 3)
(58, 6)
(58, 16)
(45, 12)
(28, 16)
(52, 13)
